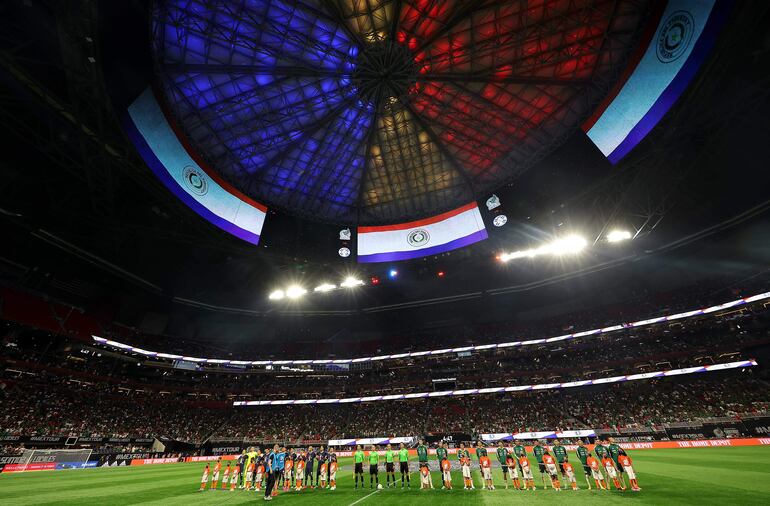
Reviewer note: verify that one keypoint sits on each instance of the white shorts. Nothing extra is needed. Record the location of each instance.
(466, 471)
(514, 472)
(526, 473)
(249, 475)
(551, 469)
(258, 479)
(630, 472)
(300, 475)
(486, 472)
(597, 474)
(425, 479)
(333, 476)
(215, 477)
(205, 479)
(611, 471)
(234, 478)
(571, 476)
(447, 475)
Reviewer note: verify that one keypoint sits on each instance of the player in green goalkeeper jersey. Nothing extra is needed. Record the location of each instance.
(358, 458)
(403, 463)
(374, 467)
(538, 451)
(502, 457)
(582, 454)
(390, 467)
(560, 453)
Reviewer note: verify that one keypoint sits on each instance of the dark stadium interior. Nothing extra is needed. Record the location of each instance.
(94, 245)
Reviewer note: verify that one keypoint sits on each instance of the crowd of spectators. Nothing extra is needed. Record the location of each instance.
(53, 408)
(54, 385)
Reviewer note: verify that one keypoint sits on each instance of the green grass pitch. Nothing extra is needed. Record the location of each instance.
(722, 476)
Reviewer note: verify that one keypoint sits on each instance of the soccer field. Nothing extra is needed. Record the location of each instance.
(683, 476)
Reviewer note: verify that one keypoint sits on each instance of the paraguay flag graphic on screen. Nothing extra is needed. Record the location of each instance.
(656, 76)
(445, 232)
(186, 177)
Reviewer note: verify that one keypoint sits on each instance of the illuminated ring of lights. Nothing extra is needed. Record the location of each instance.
(445, 351)
(519, 388)
(380, 111)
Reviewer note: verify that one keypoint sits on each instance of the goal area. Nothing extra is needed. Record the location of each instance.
(33, 460)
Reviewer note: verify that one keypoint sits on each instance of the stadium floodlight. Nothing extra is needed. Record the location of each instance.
(618, 236)
(325, 287)
(569, 245)
(351, 282)
(392, 274)
(277, 295)
(295, 292)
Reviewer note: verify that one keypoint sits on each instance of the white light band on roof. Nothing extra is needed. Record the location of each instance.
(542, 386)
(442, 351)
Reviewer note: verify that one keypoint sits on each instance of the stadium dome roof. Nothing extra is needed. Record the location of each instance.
(380, 111)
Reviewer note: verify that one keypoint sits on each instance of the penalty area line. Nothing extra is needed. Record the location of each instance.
(363, 498)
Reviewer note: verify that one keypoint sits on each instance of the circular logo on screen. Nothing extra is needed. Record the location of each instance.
(500, 220)
(675, 36)
(195, 180)
(418, 238)
(344, 252)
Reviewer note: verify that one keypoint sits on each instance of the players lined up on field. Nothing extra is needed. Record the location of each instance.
(295, 468)
(607, 459)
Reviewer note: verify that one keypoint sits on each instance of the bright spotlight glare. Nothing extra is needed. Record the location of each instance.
(295, 292)
(277, 295)
(572, 244)
(618, 235)
(324, 287)
(393, 273)
(351, 282)
(569, 245)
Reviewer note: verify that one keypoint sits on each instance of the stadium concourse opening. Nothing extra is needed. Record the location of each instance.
(355, 252)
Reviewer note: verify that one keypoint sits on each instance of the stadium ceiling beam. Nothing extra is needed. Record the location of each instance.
(515, 79)
(215, 68)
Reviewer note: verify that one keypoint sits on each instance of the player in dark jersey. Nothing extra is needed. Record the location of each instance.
(358, 470)
(560, 453)
(538, 451)
(323, 458)
(441, 455)
(390, 466)
(502, 457)
(403, 465)
(616, 451)
(422, 454)
(309, 466)
(582, 454)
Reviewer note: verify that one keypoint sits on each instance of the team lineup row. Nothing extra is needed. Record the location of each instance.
(299, 469)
